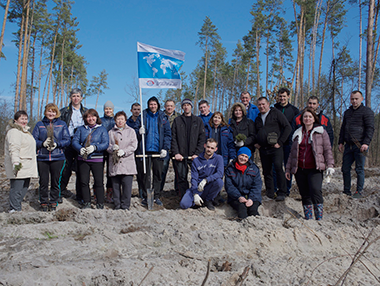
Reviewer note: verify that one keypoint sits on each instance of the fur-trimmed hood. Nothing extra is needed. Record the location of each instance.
(12, 124)
(298, 133)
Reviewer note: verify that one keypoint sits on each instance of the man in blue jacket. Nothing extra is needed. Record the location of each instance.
(158, 138)
(206, 178)
(252, 110)
(204, 109)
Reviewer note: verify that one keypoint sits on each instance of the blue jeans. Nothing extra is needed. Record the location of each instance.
(352, 153)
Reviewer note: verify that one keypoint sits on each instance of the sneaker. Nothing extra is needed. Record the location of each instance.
(100, 206)
(53, 207)
(44, 207)
(60, 200)
(357, 195)
(158, 202)
(347, 193)
(280, 198)
(271, 196)
(86, 206)
(12, 211)
(209, 205)
(144, 202)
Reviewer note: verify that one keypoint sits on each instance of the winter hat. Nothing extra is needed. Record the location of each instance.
(186, 100)
(245, 150)
(109, 104)
(153, 98)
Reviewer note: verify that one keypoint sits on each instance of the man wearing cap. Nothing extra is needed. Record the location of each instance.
(206, 178)
(188, 137)
(157, 142)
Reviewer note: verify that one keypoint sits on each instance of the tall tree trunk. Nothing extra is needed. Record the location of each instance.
(258, 90)
(39, 83)
(25, 56)
(246, 83)
(97, 98)
(214, 91)
(17, 93)
(196, 98)
(205, 77)
(62, 87)
(32, 78)
(267, 69)
(52, 60)
(369, 77)
(3, 27)
(322, 46)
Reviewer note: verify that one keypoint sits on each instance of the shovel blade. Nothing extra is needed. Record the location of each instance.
(150, 199)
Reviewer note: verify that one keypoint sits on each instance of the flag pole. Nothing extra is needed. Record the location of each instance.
(143, 136)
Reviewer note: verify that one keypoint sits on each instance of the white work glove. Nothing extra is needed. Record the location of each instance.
(142, 130)
(198, 200)
(163, 153)
(202, 185)
(52, 148)
(330, 172)
(120, 153)
(116, 147)
(239, 143)
(90, 149)
(82, 151)
(46, 142)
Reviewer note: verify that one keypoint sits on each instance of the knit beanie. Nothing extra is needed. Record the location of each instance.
(109, 104)
(245, 150)
(153, 98)
(186, 100)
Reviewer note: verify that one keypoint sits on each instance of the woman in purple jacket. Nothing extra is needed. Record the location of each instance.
(52, 136)
(310, 155)
(122, 165)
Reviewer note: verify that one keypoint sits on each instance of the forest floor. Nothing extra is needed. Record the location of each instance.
(170, 246)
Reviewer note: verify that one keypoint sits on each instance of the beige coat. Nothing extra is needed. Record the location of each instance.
(128, 143)
(20, 147)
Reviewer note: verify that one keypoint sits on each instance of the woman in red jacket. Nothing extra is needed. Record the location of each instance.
(310, 155)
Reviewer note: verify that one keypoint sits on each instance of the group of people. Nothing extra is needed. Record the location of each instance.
(289, 142)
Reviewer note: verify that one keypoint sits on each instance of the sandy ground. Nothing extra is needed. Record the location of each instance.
(169, 246)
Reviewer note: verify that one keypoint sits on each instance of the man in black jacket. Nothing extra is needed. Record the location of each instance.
(188, 138)
(272, 131)
(290, 111)
(73, 116)
(356, 131)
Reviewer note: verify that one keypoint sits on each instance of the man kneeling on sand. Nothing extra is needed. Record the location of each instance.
(206, 178)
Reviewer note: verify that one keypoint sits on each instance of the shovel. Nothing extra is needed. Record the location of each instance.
(149, 190)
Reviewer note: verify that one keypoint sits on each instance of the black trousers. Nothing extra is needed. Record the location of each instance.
(52, 169)
(122, 190)
(309, 182)
(97, 172)
(106, 162)
(244, 211)
(273, 157)
(71, 165)
(156, 165)
(181, 170)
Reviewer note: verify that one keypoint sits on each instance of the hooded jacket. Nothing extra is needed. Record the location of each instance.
(290, 111)
(99, 138)
(127, 141)
(226, 142)
(20, 147)
(211, 169)
(252, 111)
(61, 138)
(320, 143)
(108, 122)
(247, 184)
(163, 128)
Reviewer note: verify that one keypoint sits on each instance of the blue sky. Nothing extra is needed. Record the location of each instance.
(109, 32)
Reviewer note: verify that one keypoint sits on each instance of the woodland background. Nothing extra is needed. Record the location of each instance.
(276, 52)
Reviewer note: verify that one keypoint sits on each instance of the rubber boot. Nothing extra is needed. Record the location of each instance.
(318, 211)
(308, 211)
